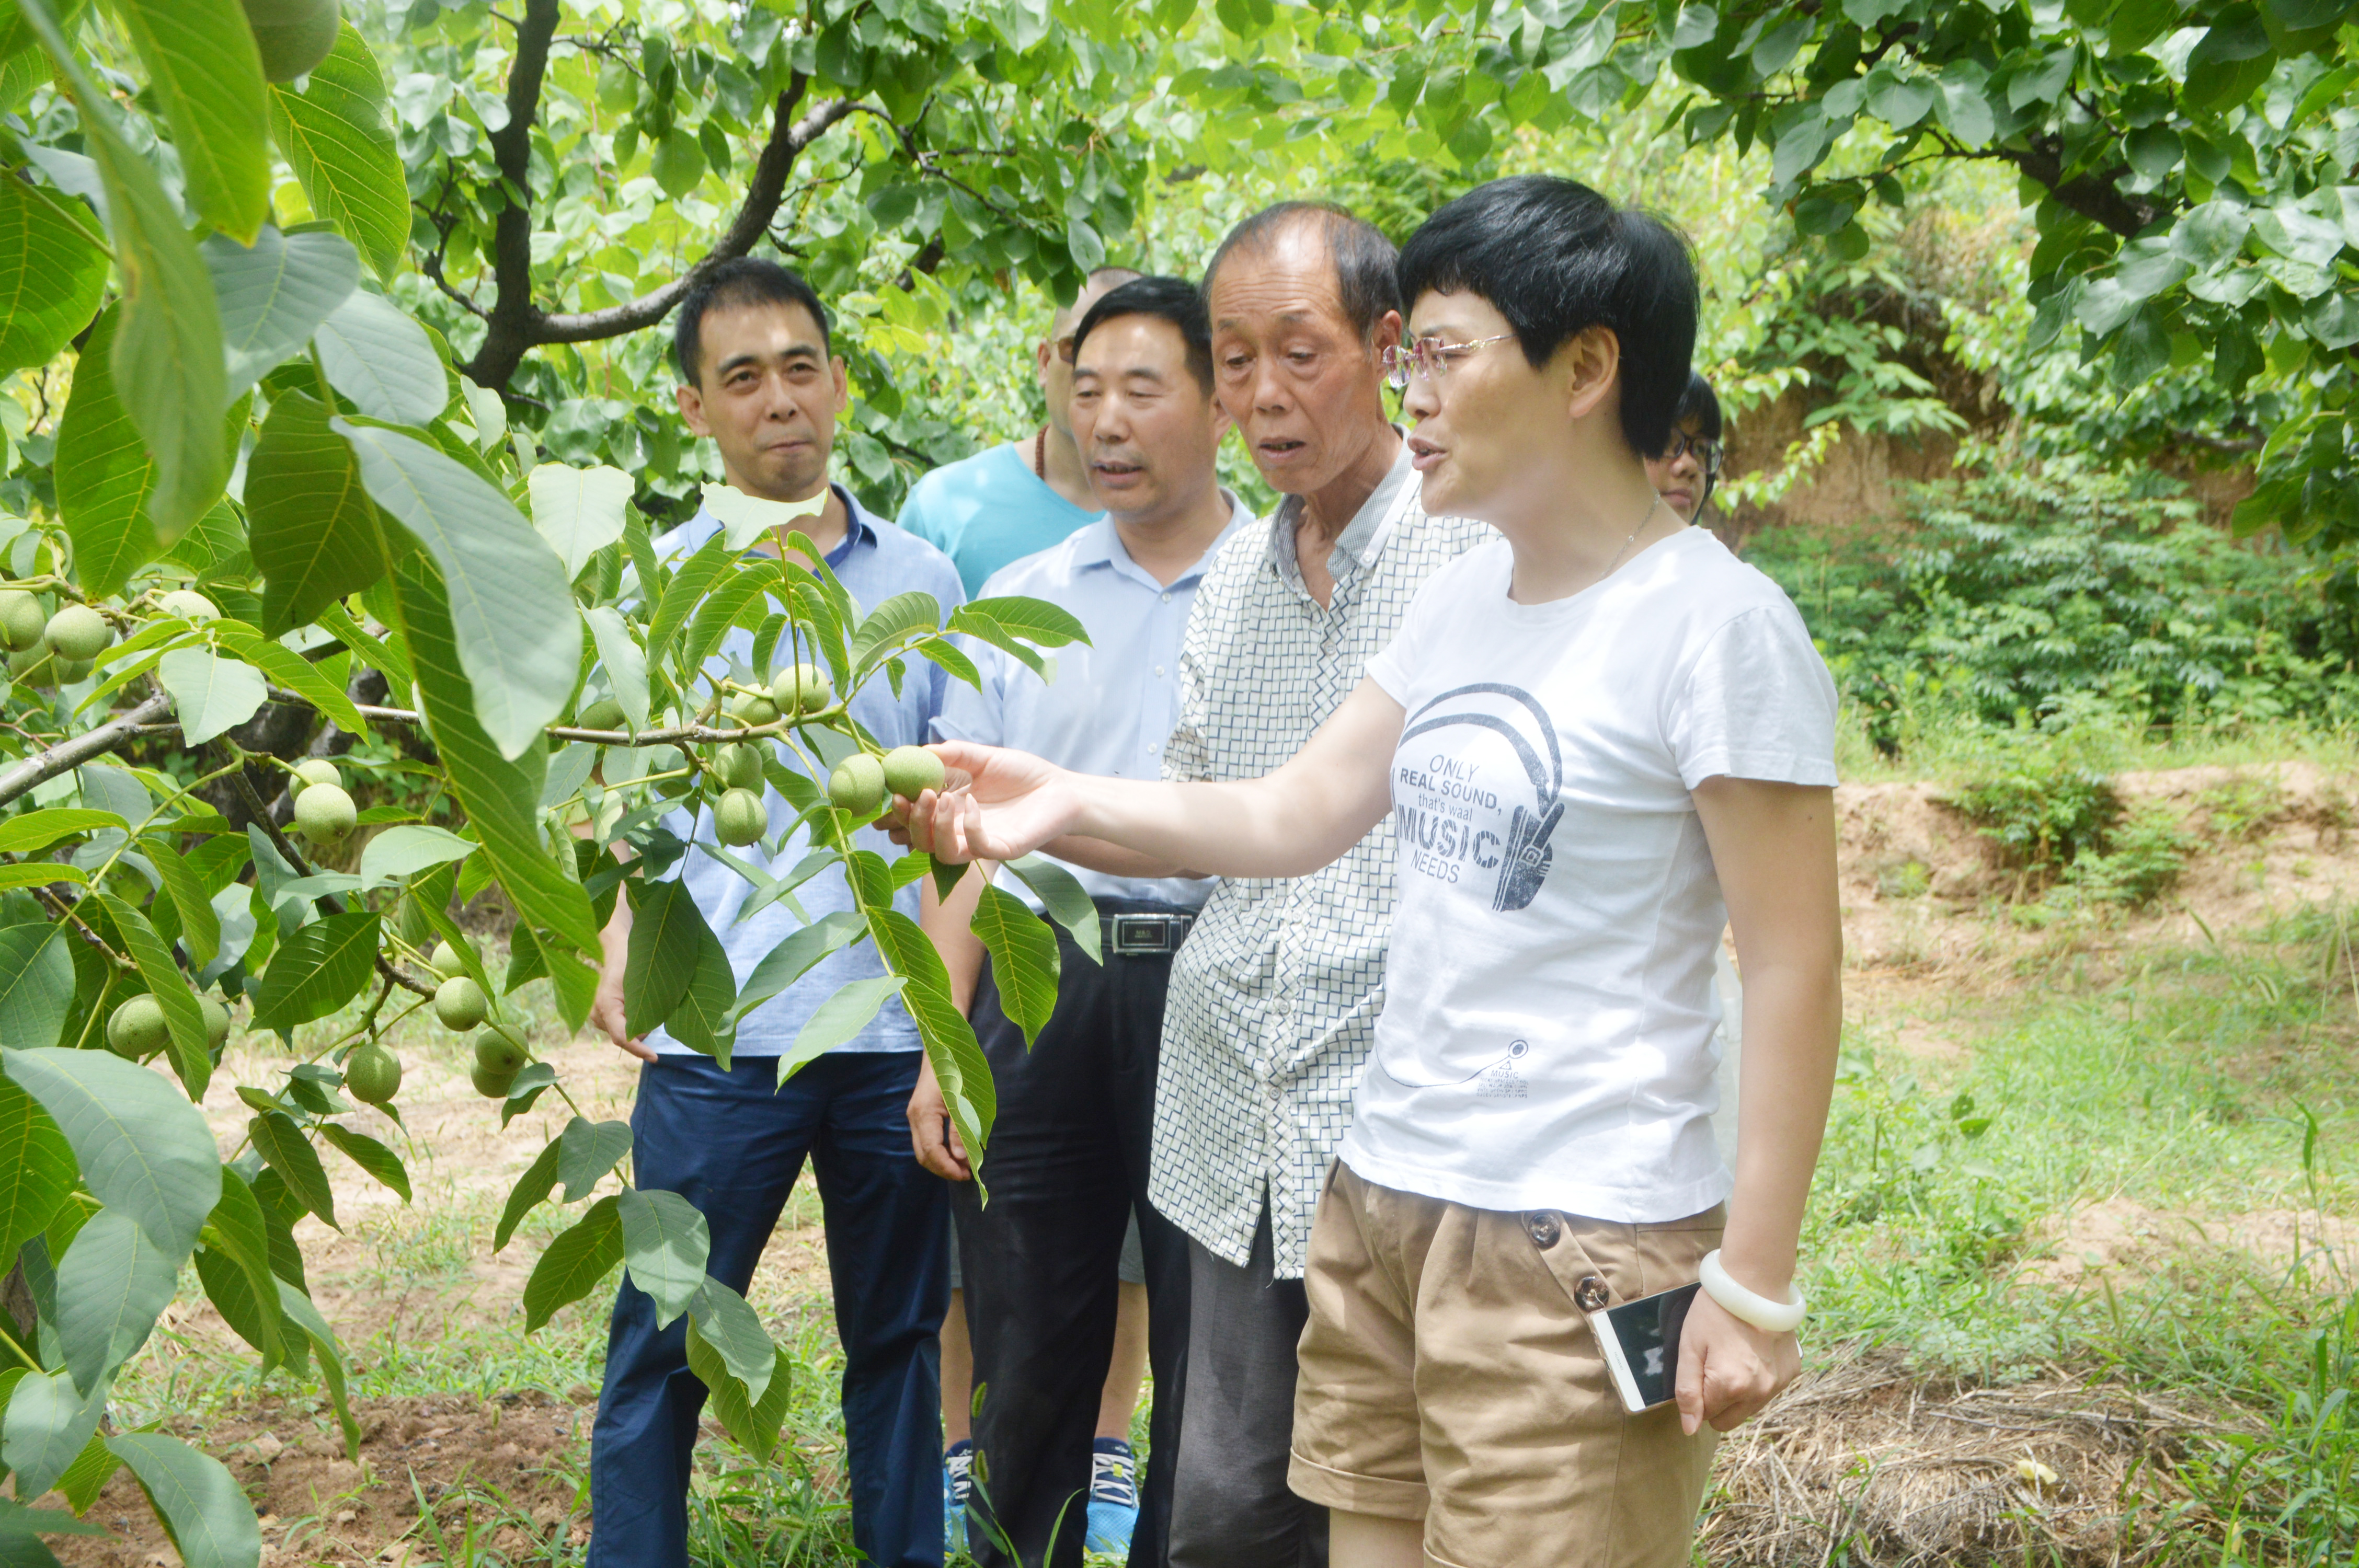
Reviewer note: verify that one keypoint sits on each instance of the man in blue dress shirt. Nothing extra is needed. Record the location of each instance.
(1024, 495)
(759, 378)
(1067, 1163)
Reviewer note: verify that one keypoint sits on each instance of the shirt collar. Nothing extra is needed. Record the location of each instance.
(1098, 544)
(1362, 539)
(859, 528)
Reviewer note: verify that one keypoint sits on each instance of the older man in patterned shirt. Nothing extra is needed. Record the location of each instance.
(1275, 993)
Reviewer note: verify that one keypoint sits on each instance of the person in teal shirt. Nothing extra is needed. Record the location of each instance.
(1020, 497)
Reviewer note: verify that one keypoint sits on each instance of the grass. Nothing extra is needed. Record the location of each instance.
(2212, 1091)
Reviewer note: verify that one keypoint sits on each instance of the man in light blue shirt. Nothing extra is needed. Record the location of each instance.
(1021, 496)
(1067, 1164)
(760, 379)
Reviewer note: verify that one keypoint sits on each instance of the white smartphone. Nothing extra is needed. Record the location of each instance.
(1640, 1341)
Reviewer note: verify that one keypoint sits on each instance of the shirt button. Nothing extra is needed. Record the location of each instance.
(1167, 598)
(1544, 1228)
(1158, 672)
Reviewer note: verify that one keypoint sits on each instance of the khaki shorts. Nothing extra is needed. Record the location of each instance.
(1448, 1375)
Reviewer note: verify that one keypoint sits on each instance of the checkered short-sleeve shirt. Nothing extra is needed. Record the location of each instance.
(1275, 994)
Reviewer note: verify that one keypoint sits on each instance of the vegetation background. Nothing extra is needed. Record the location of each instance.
(2033, 323)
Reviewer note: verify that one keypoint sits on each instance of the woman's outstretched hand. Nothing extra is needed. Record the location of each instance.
(1011, 804)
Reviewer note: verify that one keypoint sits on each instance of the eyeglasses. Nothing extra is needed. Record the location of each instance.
(1065, 347)
(1428, 357)
(1707, 452)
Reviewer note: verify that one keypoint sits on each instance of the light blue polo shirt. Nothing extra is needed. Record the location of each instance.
(875, 561)
(1109, 706)
(988, 510)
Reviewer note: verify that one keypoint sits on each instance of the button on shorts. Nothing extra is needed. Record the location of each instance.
(1449, 1374)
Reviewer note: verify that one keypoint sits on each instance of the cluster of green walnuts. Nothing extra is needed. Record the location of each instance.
(460, 1005)
(49, 648)
(734, 769)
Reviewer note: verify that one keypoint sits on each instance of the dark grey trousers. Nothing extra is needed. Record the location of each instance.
(1229, 1504)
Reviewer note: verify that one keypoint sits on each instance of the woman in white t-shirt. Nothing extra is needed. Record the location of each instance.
(1602, 738)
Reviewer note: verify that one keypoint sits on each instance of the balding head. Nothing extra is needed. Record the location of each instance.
(1363, 259)
(1053, 355)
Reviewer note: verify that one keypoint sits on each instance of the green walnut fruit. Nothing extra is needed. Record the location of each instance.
(444, 960)
(740, 819)
(739, 766)
(33, 666)
(752, 711)
(77, 632)
(138, 1029)
(460, 1004)
(73, 671)
(604, 714)
(189, 605)
(801, 688)
(21, 620)
(910, 771)
(491, 1085)
(312, 771)
(858, 784)
(372, 1074)
(216, 1020)
(325, 814)
(294, 36)
(496, 1053)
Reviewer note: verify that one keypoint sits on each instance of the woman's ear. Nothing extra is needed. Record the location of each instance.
(1591, 362)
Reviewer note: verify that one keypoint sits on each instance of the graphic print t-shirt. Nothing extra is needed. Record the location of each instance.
(1547, 1041)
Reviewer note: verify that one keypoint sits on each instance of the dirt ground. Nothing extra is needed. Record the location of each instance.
(1919, 884)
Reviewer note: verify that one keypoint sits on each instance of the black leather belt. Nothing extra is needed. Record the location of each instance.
(1142, 934)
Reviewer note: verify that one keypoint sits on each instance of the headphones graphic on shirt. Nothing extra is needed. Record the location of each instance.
(1527, 853)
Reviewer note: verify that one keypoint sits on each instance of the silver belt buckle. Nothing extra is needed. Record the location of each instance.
(1142, 934)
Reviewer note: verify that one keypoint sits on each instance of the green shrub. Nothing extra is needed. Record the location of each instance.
(2065, 591)
(2041, 804)
(2141, 861)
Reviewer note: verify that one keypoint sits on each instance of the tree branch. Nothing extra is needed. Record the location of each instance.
(2093, 198)
(68, 755)
(513, 333)
(513, 314)
(789, 134)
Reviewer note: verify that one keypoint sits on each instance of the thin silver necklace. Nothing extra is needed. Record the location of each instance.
(1643, 519)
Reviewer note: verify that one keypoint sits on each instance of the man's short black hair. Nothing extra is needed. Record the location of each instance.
(1556, 258)
(1171, 300)
(1365, 260)
(733, 285)
(1700, 406)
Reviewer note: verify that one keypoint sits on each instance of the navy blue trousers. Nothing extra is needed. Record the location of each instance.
(733, 1146)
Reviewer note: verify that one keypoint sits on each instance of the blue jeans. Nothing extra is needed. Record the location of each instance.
(732, 1147)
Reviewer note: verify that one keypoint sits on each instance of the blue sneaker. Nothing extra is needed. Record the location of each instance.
(1114, 1497)
(957, 1484)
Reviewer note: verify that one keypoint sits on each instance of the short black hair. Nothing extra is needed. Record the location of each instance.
(1699, 404)
(1365, 262)
(731, 284)
(1556, 258)
(1172, 299)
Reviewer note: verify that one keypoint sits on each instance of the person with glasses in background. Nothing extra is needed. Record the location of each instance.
(1021, 496)
(1689, 466)
(1684, 476)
